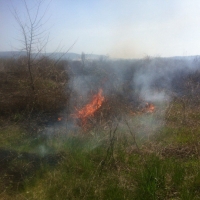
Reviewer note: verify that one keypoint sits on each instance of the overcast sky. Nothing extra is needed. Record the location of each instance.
(119, 28)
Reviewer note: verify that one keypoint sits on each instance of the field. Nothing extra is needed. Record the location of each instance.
(124, 150)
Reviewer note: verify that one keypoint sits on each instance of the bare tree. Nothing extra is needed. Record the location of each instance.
(34, 36)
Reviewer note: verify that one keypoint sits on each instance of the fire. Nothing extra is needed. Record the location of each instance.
(59, 118)
(89, 109)
(149, 108)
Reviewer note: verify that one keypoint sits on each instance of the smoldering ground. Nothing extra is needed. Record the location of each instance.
(128, 85)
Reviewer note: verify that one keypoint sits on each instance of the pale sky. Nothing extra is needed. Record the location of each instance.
(118, 28)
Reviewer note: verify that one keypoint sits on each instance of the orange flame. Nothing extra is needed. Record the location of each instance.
(59, 119)
(89, 109)
(149, 108)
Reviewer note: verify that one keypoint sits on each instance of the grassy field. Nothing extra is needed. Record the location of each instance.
(103, 164)
(141, 156)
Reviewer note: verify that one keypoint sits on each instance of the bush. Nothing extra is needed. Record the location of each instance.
(50, 81)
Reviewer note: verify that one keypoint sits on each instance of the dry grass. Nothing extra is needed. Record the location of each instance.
(105, 163)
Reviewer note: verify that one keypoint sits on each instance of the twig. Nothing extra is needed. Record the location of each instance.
(132, 134)
(110, 149)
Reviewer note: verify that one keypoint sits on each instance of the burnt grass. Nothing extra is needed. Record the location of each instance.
(121, 153)
(18, 167)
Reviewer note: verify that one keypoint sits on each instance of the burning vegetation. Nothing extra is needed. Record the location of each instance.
(88, 110)
(120, 119)
(149, 108)
(106, 109)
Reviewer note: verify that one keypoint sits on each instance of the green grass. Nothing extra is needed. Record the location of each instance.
(88, 166)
